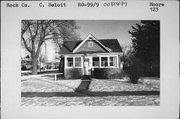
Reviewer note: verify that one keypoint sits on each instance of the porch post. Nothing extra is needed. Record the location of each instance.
(65, 62)
(84, 69)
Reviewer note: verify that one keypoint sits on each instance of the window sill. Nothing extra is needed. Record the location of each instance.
(105, 67)
(72, 67)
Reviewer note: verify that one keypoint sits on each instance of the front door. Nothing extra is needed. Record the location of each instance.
(87, 65)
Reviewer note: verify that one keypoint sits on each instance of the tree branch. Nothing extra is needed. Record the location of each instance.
(25, 44)
(38, 48)
(26, 27)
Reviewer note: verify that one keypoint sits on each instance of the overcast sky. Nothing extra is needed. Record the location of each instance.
(107, 29)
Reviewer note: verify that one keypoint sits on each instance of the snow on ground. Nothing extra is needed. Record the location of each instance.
(48, 85)
(93, 101)
(118, 85)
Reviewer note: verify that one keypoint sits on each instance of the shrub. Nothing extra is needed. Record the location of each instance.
(134, 68)
(73, 73)
(106, 73)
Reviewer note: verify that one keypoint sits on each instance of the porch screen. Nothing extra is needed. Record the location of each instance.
(104, 61)
(95, 61)
(112, 61)
(77, 61)
(69, 62)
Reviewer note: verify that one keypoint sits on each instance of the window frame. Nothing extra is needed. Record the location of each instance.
(74, 62)
(68, 62)
(93, 61)
(90, 44)
(101, 61)
(115, 61)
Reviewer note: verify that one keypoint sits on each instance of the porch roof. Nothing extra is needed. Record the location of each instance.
(69, 46)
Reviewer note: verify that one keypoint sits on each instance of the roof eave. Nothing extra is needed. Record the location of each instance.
(94, 40)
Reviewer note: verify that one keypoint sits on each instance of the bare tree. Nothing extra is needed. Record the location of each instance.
(35, 32)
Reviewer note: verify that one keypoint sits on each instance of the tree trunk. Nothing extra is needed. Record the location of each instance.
(34, 56)
(34, 65)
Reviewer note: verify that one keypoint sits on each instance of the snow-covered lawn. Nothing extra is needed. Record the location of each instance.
(44, 91)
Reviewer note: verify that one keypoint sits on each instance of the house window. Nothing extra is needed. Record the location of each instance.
(90, 44)
(70, 62)
(95, 61)
(112, 61)
(104, 61)
(77, 61)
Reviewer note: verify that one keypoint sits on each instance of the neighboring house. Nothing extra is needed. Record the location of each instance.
(26, 63)
(95, 57)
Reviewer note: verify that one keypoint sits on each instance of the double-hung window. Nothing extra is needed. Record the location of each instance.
(77, 61)
(70, 61)
(104, 61)
(95, 61)
(112, 61)
(74, 62)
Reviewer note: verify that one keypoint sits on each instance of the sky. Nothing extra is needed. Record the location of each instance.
(100, 29)
(107, 29)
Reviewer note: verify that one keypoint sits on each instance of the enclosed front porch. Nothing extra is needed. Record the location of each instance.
(96, 65)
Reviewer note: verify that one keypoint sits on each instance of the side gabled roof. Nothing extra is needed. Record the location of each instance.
(111, 45)
(69, 46)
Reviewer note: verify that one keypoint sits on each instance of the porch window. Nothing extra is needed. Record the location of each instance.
(104, 61)
(77, 61)
(95, 61)
(112, 61)
(70, 62)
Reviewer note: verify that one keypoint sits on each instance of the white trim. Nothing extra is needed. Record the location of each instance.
(99, 62)
(116, 61)
(109, 62)
(94, 54)
(87, 38)
(91, 60)
(82, 62)
(65, 62)
(108, 49)
(66, 67)
(75, 62)
(104, 54)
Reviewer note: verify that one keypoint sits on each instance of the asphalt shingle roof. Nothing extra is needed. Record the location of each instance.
(69, 46)
(113, 44)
